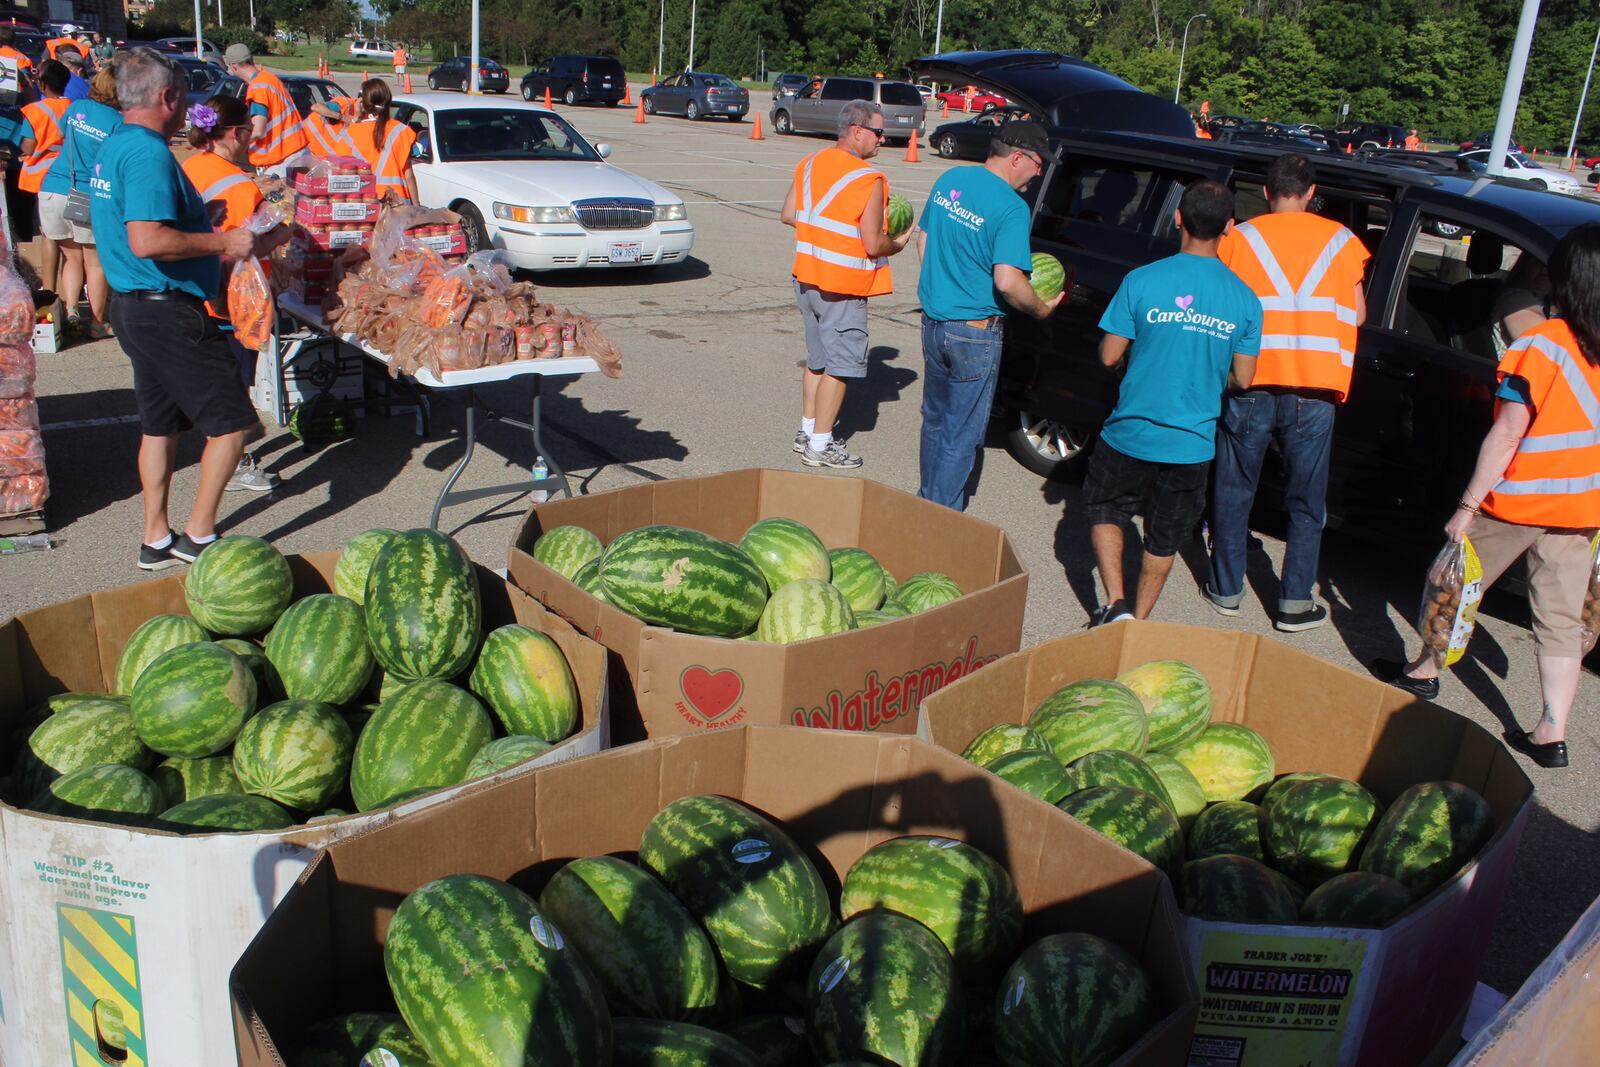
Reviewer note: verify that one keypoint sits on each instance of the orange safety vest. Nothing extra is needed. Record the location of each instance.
(1304, 268)
(23, 62)
(217, 179)
(1202, 133)
(54, 43)
(44, 125)
(390, 160)
(1553, 481)
(328, 139)
(1413, 142)
(286, 133)
(832, 188)
(399, 57)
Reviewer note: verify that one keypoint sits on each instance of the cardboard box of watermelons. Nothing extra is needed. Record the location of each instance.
(147, 923)
(1303, 993)
(837, 795)
(668, 682)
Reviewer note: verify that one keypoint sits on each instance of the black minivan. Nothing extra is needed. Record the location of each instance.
(577, 80)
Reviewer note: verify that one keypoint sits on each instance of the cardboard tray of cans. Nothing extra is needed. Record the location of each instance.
(345, 177)
(322, 210)
(332, 236)
(447, 240)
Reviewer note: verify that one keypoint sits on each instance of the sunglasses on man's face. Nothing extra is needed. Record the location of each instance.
(876, 131)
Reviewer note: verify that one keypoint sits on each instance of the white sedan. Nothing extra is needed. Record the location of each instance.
(525, 181)
(1522, 166)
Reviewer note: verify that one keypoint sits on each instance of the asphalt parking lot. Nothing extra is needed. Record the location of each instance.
(712, 355)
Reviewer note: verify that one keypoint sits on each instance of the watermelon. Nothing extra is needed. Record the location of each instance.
(84, 735)
(1227, 759)
(894, 609)
(647, 952)
(106, 792)
(776, 1040)
(999, 739)
(153, 637)
(925, 591)
(884, 990)
(898, 216)
(192, 700)
(566, 549)
(296, 752)
(659, 1043)
(482, 977)
(858, 576)
(786, 551)
(524, 678)
(422, 607)
(1091, 715)
(803, 609)
(1072, 999)
(1133, 819)
(359, 1040)
(504, 752)
(588, 579)
(1359, 898)
(1176, 697)
(684, 579)
(318, 647)
(1032, 771)
(1315, 830)
(868, 618)
(238, 585)
(355, 562)
(1228, 828)
(422, 738)
(1234, 889)
(1187, 798)
(1297, 892)
(1048, 276)
(58, 702)
(748, 883)
(1429, 833)
(269, 686)
(1111, 766)
(188, 779)
(1283, 782)
(226, 813)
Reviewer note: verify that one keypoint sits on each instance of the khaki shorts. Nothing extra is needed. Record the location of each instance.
(53, 226)
(1559, 564)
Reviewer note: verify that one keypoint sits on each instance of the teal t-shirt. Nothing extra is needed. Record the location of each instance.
(137, 179)
(973, 220)
(84, 128)
(1186, 316)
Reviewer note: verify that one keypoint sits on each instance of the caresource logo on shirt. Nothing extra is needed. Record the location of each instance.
(952, 206)
(99, 184)
(1188, 318)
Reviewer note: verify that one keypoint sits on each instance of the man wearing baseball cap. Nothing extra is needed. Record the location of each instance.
(276, 132)
(976, 258)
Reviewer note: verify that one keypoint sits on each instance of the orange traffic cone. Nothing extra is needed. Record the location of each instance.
(755, 131)
(946, 113)
(547, 102)
(911, 148)
(638, 116)
(1349, 149)
(626, 91)
(408, 81)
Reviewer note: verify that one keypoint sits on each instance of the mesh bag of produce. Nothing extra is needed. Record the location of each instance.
(1450, 602)
(18, 412)
(16, 311)
(24, 493)
(21, 453)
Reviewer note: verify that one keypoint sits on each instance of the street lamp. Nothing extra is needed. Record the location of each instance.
(1177, 88)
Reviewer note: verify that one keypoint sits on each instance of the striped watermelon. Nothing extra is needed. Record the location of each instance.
(188, 779)
(1284, 781)
(1229, 828)
(1072, 999)
(859, 576)
(961, 894)
(684, 579)
(106, 792)
(1188, 800)
(1234, 889)
(754, 890)
(359, 1040)
(1228, 760)
(884, 990)
(1110, 766)
(1091, 715)
(894, 609)
(350, 573)
(153, 637)
(868, 618)
(318, 647)
(504, 752)
(482, 977)
(647, 952)
(85, 735)
(422, 738)
(786, 551)
(269, 686)
(192, 700)
(238, 585)
(296, 752)
(1032, 771)
(898, 216)
(1359, 898)
(566, 549)
(776, 1040)
(524, 678)
(226, 813)
(1429, 833)
(1176, 697)
(1048, 277)
(422, 607)
(1133, 819)
(659, 1043)
(1001, 738)
(588, 579)
(925, 591)
(803, 609)
(57, 702)
(1315, 830)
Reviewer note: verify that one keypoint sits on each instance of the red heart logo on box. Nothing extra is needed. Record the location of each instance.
(712, 694)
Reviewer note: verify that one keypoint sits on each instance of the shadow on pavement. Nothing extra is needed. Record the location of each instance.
(1556, 877)
(884, 383)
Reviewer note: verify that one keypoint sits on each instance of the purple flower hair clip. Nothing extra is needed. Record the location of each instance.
(203, 117)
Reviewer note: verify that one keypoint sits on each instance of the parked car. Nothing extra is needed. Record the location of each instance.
(370, 48)
(524, 181)
(1483, 137)
(1529, 169)
(697, 95)
(208, 51)
(970, 99)
(816, 110)
(456, 73)
(927, 94)
(1281, 138)
(206, 80)
(789, 84)
(304, 90)
(578, 80)
(969, 138)
(1356, 135)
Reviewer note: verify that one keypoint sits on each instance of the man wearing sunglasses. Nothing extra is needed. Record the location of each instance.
(976, 258)
(836, 205)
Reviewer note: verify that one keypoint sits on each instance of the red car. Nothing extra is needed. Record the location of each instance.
(970, 99)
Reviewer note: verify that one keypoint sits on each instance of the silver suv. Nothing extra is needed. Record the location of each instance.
(815, 108)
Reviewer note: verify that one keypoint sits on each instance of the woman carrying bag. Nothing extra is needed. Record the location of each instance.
(64, 198)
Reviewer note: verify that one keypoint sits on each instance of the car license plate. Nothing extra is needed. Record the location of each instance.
(903, 119)
(735, 107)
(624, 252)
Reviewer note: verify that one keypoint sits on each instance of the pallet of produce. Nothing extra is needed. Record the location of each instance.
(1340, 850)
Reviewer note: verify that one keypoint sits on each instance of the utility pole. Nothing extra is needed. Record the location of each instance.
(693, 7)
(475, 88)
(938, 30)
(1184, 51)
(661, 38)
(1517, 67)
(1583, 98)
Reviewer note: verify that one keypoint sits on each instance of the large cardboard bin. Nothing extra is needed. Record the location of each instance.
(838, 794)
(1301, 994)
(149, 920)
(666, 682)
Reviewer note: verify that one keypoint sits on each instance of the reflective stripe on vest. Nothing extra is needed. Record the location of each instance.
(327, 140)
(866, 274)
(46, 145)
(1552, 443)
(385, 162)
(215, 190)
(286, 121)
(1291, 299)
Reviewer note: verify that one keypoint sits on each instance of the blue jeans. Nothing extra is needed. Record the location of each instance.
(961, 365)
(1303, 427)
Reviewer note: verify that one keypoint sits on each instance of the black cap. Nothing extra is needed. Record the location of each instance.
(1029, 135)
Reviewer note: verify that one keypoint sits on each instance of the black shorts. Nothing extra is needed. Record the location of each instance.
(184, 373)
(1171, 496)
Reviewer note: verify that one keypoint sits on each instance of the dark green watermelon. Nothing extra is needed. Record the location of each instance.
(1228, 828)
(318, 648)
(423, 738)
(1111, 766)
(422, 608)
(775, 1040)
(660, 1043)
(1359, 898)
(1429, 833)
(1315, 830)
(1235, 889)
(1072, 998)
(359, 1039)
(1132, 818)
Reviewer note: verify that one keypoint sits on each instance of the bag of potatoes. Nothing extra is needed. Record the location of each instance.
(1450, 602)
(1591, 598)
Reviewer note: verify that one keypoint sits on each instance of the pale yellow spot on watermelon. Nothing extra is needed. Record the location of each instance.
(673, 577)
(238, 688)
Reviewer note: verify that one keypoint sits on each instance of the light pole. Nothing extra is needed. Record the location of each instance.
(473, 86)
(1583, 98)
(938, 29)
(1515, 69)
(694, 6)
(1179, 87)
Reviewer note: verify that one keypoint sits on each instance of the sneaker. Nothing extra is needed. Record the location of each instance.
(185, 549)
(1216, 605)
(1292, 622)
(833, 456)
(248, 475)
(157, 559)
(801, 440)
(1116, 611)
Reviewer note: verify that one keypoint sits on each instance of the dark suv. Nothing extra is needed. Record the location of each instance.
(1358, 135)
(577, 80)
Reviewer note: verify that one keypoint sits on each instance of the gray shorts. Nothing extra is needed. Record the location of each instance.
(836, 331)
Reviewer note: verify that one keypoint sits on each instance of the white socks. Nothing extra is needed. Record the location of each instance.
(807, 425)
(821, 441)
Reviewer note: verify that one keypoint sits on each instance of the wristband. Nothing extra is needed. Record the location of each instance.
(1470, 509)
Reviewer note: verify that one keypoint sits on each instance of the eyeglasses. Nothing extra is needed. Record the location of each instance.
(876, 131)
(1035, 160)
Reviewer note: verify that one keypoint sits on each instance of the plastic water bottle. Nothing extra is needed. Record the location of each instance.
(10, 546)
(541, 470)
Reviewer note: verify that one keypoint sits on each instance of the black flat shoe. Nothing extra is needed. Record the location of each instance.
(1551, 754)
(1394, 672)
